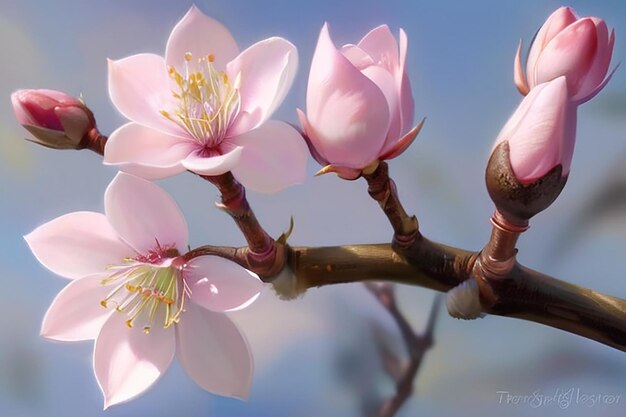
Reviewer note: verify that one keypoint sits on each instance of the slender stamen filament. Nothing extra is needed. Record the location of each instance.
(140, 290)
(207, 101)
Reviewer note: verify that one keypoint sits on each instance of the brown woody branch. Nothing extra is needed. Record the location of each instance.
(524, 293)
(520, 292)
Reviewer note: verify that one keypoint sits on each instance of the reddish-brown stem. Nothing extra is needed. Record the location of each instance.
(497, 258)
(382, 189)
(263, 254)
(416, 345)
(94, 141)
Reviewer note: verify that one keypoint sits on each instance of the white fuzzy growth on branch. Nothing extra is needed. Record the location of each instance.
(463, 301)
(286, 285)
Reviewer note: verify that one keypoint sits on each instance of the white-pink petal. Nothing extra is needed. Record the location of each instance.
(140, 88)
(407, 103)
(127, 361)
(381, 45)
(385, 81)
(200, 35)
(137, 144)
(76, 313)
(213, 165)
(570, 53)
(598, 71)
(264, 73)
(357, 57)
(214, 352)
(536, 145)
(274, 157)
(348, 111)
(77, 244)
(512, 124)
(220, 285)
(559, 20)
(143, 214)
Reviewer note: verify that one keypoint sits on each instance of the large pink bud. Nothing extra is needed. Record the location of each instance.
(579, 49)
(359, 102)
(530, 161)
(542, 132)
(55, 119)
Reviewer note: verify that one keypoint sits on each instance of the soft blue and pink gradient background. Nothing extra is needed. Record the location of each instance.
(460, 62)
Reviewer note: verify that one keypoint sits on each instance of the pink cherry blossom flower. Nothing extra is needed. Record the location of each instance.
(579, 49)
(205, 108)
(359, 102)
(55, 119)
(139, 299)
(542, 131)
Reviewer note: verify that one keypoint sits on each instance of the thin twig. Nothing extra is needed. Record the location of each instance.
(416, 345)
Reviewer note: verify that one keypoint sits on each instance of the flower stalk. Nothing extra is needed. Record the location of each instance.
(263, 254)
(94, 141)
(382, 189)
(498, 257)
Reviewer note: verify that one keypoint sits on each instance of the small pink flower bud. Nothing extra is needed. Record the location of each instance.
(55, 119)
(579, 49)
(532, 155)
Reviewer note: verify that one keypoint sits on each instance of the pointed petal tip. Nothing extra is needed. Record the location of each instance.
(244, 395)
(603, 84)
(327, 169)
(345, 173)
(193, 10)
(518, 72)
(404, 142)
(108, 402)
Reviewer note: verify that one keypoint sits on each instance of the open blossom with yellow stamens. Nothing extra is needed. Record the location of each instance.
(139, 299)
(205, 108)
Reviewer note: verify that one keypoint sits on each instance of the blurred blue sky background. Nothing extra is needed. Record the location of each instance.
(460, 61)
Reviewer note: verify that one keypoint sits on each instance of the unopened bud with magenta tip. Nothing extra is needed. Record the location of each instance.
(55, 119)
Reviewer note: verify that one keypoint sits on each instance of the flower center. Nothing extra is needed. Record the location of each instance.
(148, 289)
(207, 100)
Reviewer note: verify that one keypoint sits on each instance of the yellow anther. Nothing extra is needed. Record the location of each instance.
(103, 303)
(188, 56)
(210, 58)
(225, 78)
(129, 323)
(165, 113)
(146, 330)
(171, 70)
